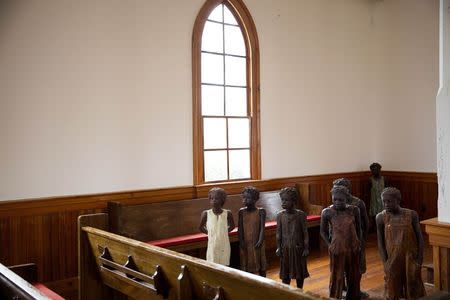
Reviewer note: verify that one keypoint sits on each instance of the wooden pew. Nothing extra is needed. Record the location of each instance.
(19, 283)
(174, 224)
(113, 266)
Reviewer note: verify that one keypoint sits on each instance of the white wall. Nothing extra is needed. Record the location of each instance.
(409, 34)
(96, 94)
(354, 81)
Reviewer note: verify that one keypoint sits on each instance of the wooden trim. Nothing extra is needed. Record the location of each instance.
(411, 176)
(40, 206)
(247, 25)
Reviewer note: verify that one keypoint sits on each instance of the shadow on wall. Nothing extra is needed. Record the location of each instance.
(6, 10)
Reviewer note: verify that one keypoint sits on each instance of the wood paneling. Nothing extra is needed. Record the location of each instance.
(43, 231)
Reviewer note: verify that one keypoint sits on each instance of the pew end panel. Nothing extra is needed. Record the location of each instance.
(90, 284)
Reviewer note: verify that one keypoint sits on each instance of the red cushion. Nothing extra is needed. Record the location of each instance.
(46, 291)
(312, 218)
(271, 224)
(179, 240)
(200, 237)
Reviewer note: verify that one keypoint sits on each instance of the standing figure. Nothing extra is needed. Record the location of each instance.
(341, 230)
(292, 239)
(400, 244)
(377, 186)
(216, 223)
(352, 200)
(252, 221)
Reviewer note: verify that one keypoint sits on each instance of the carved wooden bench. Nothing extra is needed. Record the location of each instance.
(20, 282)
(115, 267)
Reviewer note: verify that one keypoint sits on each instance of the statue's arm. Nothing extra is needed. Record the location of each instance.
(230, 221)
(324, 229)
(262, 226)
(241, 229)
(305, 235)
(357, 214)
(419, 237)
(364, 219)
(279, 235)
(202, 226)
(381, 238)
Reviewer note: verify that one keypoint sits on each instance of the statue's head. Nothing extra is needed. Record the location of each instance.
(217, 197)
(391, 198)
(289, 197)
(250, 195)
(339, 196)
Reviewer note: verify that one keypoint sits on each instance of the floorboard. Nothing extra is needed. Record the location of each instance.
(372, 281)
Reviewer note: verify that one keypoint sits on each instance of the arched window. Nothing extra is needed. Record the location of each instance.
(225, 69)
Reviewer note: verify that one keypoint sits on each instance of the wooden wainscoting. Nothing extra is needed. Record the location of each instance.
(44, 231)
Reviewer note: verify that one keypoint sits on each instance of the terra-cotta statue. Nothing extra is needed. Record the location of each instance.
(251, 225)
(341, 230)
(292, 239)
(377, 184)
(216, 223)
(400, 244)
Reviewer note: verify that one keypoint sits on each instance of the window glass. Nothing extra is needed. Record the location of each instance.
(239, 164)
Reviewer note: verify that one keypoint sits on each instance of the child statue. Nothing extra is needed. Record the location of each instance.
(352, 200)
(377, 186)
(292, 239)
(252, 221)
(216, 223)
(341, 230)
(400, 244)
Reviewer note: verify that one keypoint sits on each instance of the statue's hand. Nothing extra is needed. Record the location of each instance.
(278, 252)
(305, 252)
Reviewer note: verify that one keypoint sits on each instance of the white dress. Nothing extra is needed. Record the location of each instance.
(218, 250)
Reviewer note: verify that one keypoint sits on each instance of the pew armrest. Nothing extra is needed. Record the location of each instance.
(27, 271)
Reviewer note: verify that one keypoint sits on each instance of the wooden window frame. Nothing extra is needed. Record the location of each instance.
(248, 28)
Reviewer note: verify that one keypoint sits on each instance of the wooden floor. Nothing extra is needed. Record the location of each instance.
(318, 265)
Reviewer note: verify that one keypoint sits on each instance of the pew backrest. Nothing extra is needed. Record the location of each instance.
(155, 221)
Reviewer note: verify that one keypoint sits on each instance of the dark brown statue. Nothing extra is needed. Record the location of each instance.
(216, 223)
(251, 224)
(377, 184)
(292, 239)
(341, 230)
(400, 244)
(352, 200)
